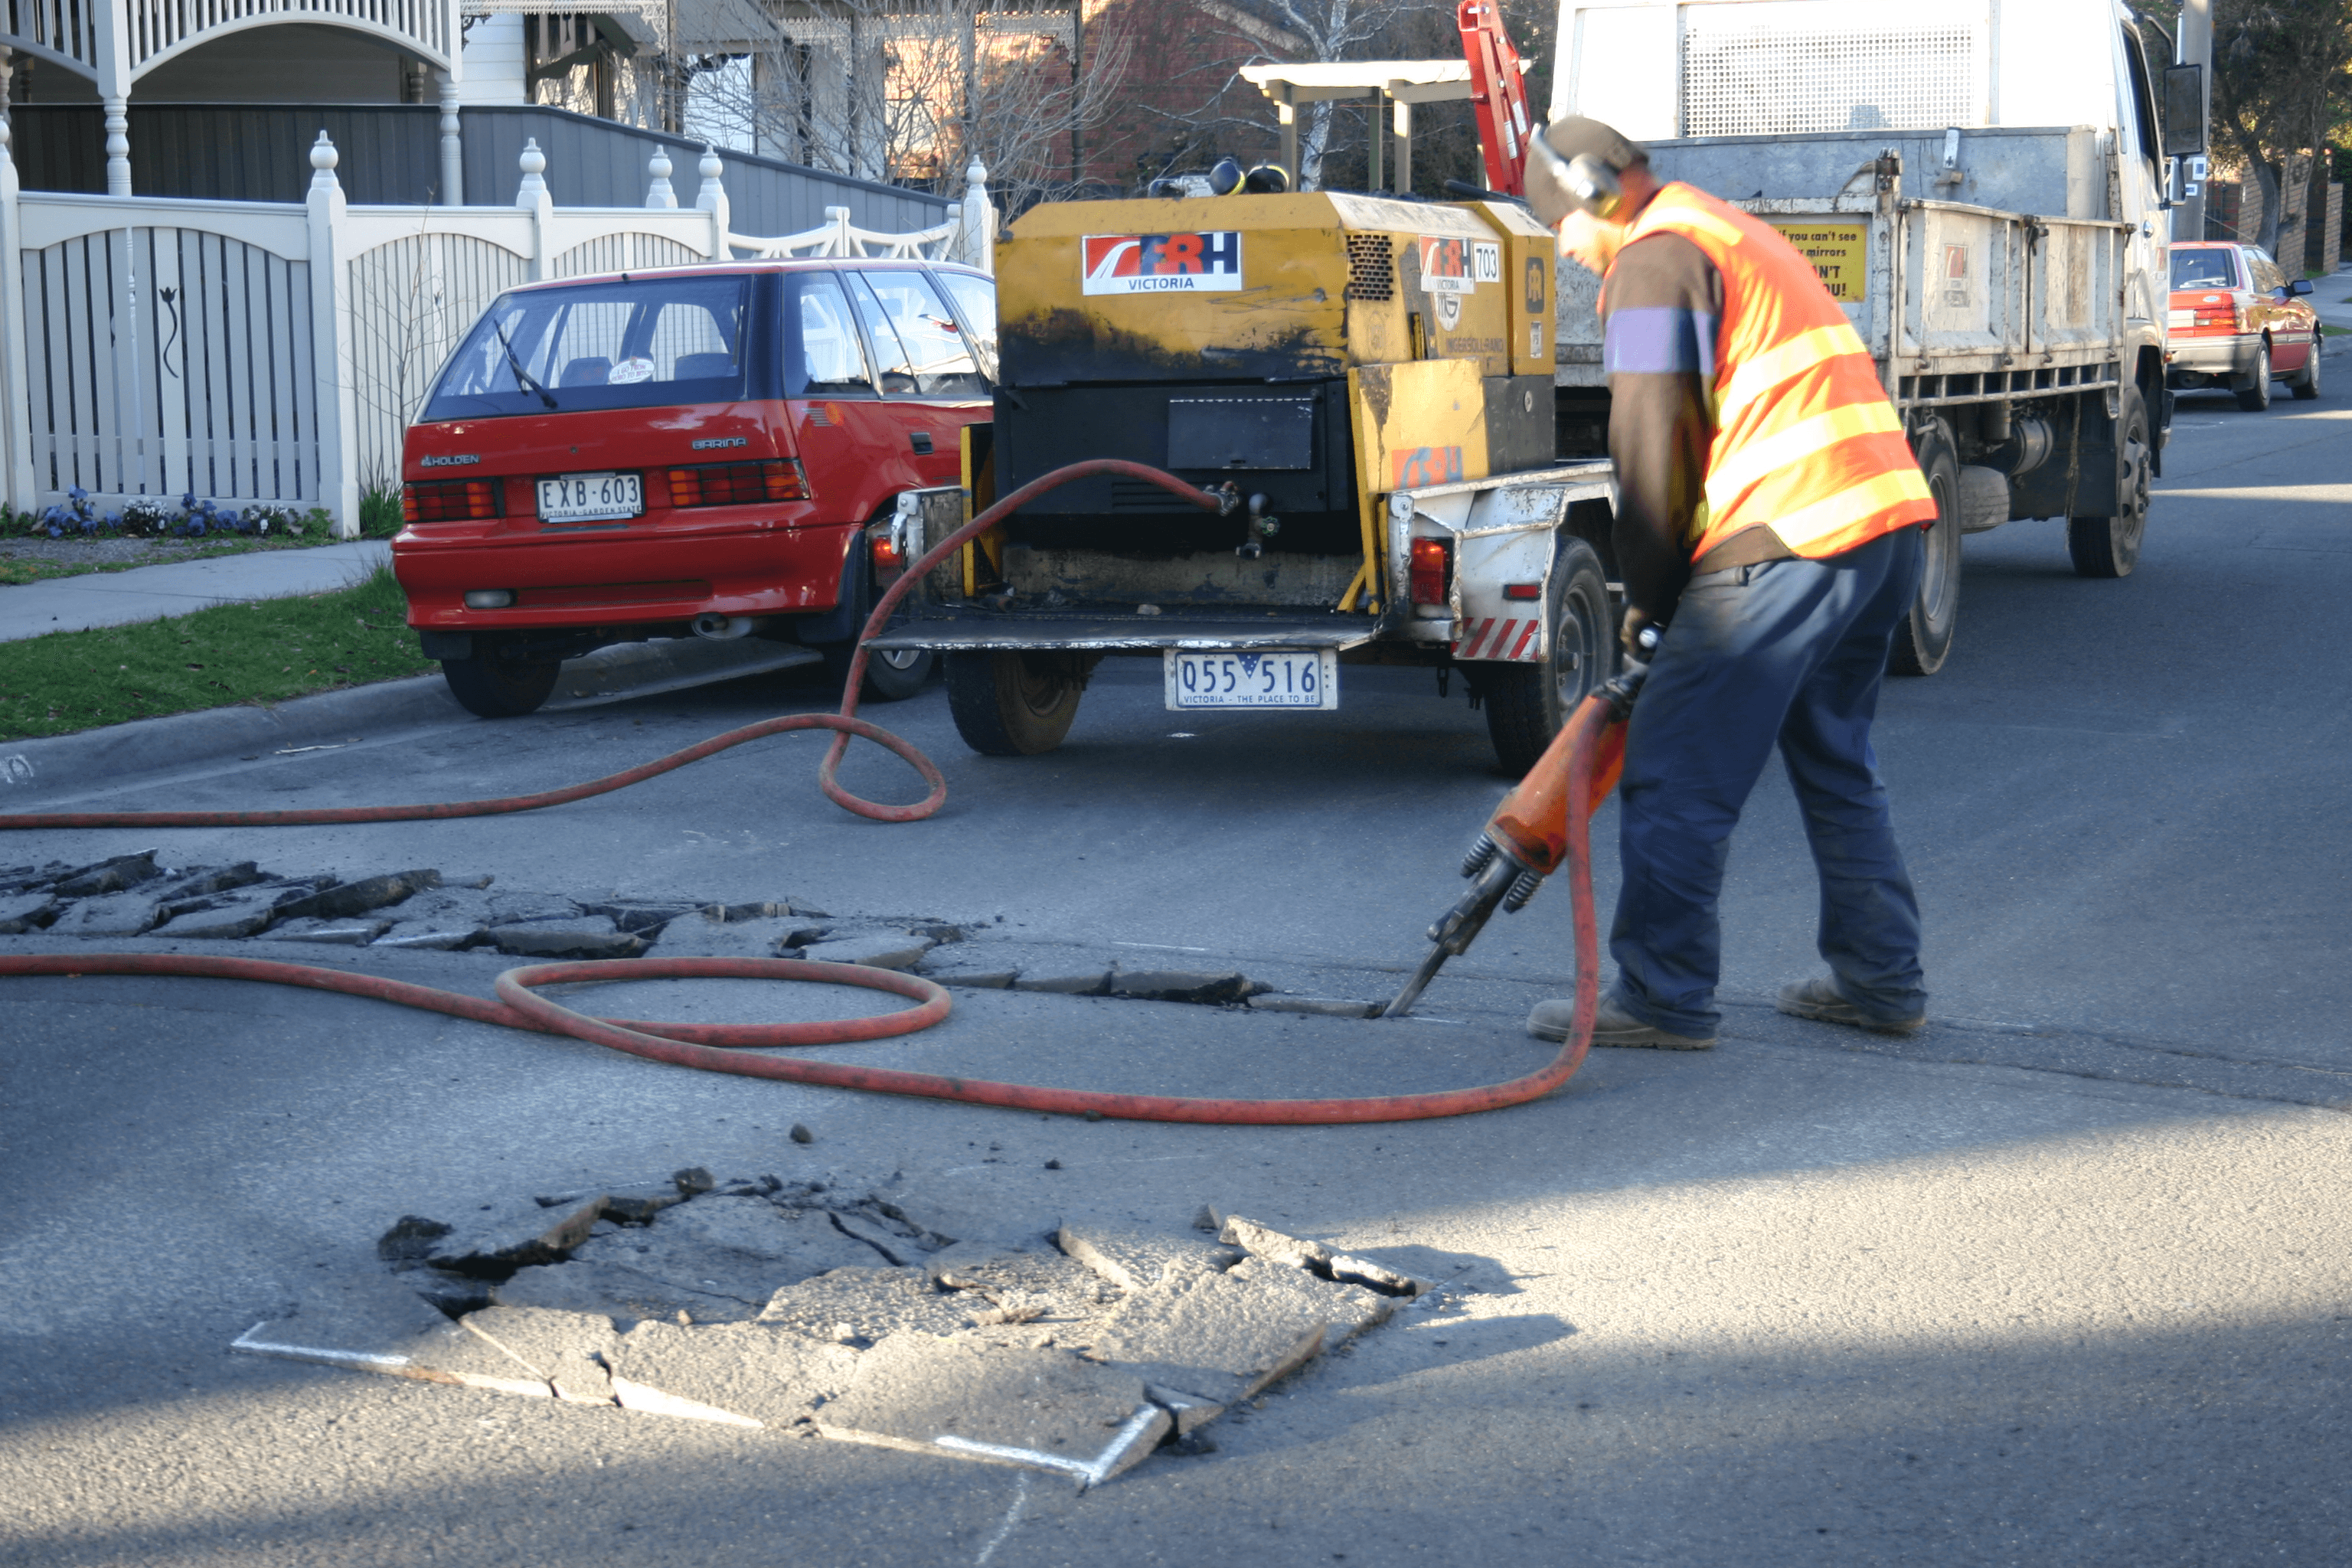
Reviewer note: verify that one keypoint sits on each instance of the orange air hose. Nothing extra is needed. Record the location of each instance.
(710, 1047)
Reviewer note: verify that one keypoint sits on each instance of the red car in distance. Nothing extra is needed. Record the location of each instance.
(2237, 322)
(709, 450)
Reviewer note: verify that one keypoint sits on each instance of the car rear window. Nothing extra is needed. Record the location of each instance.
(2204, 270)
(647, 343)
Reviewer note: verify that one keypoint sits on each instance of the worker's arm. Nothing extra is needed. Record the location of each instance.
(1663, 308)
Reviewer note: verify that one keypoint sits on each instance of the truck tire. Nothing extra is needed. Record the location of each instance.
(2255, 395)
(1526, 703)
(2306, 386)
(1015, 704)
(495, 686)
(1923, 639)
(2109, 546)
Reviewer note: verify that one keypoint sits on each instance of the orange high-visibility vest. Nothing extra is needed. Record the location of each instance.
(1805, 440)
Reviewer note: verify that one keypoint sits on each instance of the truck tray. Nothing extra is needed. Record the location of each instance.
(1044, 629)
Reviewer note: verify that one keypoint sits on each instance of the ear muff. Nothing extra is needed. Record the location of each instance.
(1558, 186)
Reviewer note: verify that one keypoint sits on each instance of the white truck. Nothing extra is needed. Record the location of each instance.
(1983, 184)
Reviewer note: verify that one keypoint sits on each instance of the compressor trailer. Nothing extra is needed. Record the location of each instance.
(1369, 381)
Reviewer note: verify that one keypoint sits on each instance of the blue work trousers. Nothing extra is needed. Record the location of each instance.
(1787, 653)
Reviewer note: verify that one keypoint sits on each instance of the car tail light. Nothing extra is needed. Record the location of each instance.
(1433, 564)
(732, 484)
(451, 501)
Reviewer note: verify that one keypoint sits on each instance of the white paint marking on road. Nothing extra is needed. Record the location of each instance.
(1012, 1517)
(1161, 946)
(246, 1341)
(1017, 1455)
(298, 750)
(1090, 1473)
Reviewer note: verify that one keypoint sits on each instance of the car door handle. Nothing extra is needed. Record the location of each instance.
(922, 440)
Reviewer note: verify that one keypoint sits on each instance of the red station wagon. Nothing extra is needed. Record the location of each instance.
(2237, 322)
(697, 451)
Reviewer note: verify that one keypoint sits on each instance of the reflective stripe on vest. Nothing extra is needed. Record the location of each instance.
(1805, 440)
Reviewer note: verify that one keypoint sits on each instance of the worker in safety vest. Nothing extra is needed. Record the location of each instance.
(1768, 530)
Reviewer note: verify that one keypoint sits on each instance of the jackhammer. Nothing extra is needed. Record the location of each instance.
(1526, 839)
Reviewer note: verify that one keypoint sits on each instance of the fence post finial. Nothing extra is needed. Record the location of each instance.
(323, 159)
(660, 193)
(533, 163)
(978, 220)
(712, 199)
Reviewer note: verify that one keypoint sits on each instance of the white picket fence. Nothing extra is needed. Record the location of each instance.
(267, 352)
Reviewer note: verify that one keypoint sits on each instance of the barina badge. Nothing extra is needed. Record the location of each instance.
(1161, 263)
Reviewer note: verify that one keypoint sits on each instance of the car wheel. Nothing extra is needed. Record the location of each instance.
(1015, 703)
(1527, 704)
(2306, 385)
(1923, 638)
(2109, 546)
(892, 675)
(2255, 393)
(495, 686)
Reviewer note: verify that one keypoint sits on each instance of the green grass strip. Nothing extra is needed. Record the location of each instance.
(263, 652)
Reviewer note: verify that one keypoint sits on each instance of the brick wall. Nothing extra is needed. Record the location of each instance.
(1180, 105)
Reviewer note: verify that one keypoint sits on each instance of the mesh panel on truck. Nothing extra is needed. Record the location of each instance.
(1790, 66)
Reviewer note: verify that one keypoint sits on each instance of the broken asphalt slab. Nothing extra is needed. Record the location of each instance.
(1073, 1351)
(1039, 1408)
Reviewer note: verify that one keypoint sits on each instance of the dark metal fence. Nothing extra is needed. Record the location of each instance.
(392, 155)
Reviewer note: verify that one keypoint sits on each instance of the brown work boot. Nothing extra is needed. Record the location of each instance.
(1821, 1001)
(1611, 1026)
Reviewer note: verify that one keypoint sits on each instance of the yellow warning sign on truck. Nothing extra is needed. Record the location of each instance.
(1837, 251)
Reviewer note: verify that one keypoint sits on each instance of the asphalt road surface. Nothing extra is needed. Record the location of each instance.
(2065, 1280)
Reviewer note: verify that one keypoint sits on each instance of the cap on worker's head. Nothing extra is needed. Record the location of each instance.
(1572, 166)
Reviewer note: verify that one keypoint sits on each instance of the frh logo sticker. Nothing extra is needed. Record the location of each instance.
(1445, 265)
(1161, 263)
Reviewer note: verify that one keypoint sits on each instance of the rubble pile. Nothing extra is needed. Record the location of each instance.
(816, 1309)
(132, 896)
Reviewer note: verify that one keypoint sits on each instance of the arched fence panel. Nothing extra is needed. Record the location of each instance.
(623, 253)
(412, 299)
(171, 360)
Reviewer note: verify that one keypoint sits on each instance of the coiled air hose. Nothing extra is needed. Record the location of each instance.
(711, 1047)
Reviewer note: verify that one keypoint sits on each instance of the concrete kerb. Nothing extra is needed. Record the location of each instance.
(93, 759)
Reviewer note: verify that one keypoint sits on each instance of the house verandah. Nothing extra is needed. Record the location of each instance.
(270, 350)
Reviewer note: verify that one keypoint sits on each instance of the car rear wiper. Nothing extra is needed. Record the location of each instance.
(522, 376)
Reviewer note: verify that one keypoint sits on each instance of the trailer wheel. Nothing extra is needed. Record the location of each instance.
(1010, 703)
(495, 686)
(1923, 639)
(2109, 546)
(1526, 703)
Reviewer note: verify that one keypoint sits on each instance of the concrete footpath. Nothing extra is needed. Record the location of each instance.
(175, 588)
(31, 769)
